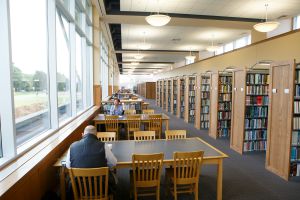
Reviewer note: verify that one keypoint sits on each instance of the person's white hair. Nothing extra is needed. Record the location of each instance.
(90, 130)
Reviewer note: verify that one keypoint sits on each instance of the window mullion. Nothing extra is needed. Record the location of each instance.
(7, 112)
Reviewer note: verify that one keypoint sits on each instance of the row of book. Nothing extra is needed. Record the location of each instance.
(225, 132)
(296, 138)
(297, 107)
(204, 125)
(204, 117)
(205, 109)
(204, 95)
(255, 112)
(192, 93)
(224, 97)
(257, 90)
(257, 79)
(296, 124)
(257, 100)
(192, 99)
(297, 76)
(225, 88)
(191, 106)
(205, 102)
(256, 123)
(295, 154)
(255, 145)
(295, 169)
(205, 88)
(224, 106)
(225, 79)
(224, 115)
(256, 135)
(224, 124)
(205, 80)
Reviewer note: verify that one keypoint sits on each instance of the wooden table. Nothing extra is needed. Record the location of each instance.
(100, 119)
(124, 149)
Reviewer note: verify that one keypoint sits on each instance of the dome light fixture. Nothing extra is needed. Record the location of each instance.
(212, 48)
(266, 26)
(138, 56)
(158, 19)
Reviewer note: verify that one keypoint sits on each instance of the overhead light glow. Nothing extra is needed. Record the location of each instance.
(266, 26)
(138, 56)
(135, 63)
(158, 19)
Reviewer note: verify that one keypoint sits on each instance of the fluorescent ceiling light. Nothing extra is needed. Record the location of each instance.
(266, 26)
(158, 19)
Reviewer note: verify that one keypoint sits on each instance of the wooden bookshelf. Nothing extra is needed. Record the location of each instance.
(181, 98)
(147, 89)
(169, 95)
(280, 118)
(161, 89)
(175, 96)
(249, 110)
(191, 84)
(164, 94)
(157, 93)
(204, 100)
(220, 109)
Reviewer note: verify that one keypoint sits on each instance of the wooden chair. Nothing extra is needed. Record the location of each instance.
(106, 136)
(155, 124)
(134, 98)
(129, 112)
(184, 176)
(133, 124)
(149, 111)
(90, 183)
(175, 134)
(144, 135)
(112, 124)
(145, 106)
(145, 175)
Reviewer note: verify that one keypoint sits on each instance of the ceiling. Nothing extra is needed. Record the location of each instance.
(193, 25)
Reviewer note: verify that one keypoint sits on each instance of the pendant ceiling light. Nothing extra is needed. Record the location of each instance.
(144, 45)
(158, 19)
(266, 26)
(212, 48)
(138, 56)
(190, 57)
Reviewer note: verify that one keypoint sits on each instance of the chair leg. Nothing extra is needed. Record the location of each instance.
(196, 191)
(158, 192)
(175, 192)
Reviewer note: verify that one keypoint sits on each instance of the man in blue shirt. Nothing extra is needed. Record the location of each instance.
(117, 108)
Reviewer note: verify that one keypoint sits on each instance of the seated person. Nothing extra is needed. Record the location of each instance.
(89, 152)
(117, 108)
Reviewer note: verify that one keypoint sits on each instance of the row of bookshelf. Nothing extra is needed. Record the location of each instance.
(255, 146)
(257, 90)
(256, 124)
(257, 79)
(257, 100)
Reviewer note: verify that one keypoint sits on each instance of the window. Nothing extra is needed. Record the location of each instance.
(79, 85)
(240, 42)
(220, 50)
(63, 67)
(296, 22)
(228, 47)
(104, 67)
(89, 59)
(30, 67)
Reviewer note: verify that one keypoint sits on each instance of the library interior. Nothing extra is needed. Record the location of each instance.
(150, 99)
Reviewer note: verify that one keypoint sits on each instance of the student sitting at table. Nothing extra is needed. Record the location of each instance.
(117, 108)
(89, 152)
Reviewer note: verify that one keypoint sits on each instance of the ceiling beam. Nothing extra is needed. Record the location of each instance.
(146, 62)
(177, 21)
(153, 51)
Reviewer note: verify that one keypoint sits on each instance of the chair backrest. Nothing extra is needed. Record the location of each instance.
(187, 167)
(175, 134)
(106, 136)
(133, 122)
(147, 169)
(111, 122)
(149, 111)
(89, 183)
(155, 122)
(144, 135)
(129, 112)
(134, 98)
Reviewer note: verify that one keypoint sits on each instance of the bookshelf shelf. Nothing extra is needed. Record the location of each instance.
(204, 100)
(191, 98)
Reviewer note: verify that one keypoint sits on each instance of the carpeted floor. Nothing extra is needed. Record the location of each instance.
(244, 177)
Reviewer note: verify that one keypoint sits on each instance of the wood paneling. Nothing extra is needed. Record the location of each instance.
(147, 90)
(213, 122)
(238, 110)
(97, 95)
(110, 87)
(280, 118)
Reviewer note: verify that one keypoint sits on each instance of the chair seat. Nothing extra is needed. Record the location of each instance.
(185, 181)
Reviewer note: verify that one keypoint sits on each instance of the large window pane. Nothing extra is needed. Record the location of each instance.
(63, 67)
(79, 92)
(30, 68)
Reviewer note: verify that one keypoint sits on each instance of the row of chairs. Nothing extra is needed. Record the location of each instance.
(145, 177)
(143, 135)
(132, 112)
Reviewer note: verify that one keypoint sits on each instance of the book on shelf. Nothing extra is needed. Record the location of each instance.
(295, 154)
(257, 100)
(257, 79)
(297, 76)
(256, 112)
(257, 89)
(295, 169)
(224, 115)
(224, 106)
(225, 79)
(296, 138)
(256, 123)
(255, 135)
(224, 132)
(296, 123)
(255, 145)
(225, 88)
(224, 97)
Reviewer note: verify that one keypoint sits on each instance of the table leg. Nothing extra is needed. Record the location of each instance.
(167, 124)
(220, 179)
(62, 183)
